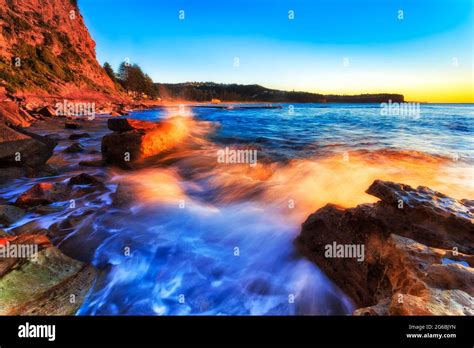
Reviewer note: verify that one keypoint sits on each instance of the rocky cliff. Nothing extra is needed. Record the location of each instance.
(46, 50)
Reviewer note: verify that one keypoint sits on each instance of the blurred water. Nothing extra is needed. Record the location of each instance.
(229, 250)
(301, 130)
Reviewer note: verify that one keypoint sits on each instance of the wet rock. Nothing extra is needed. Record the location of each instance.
(128, 124)
(33, 227)
(133, 141)
(43, 193)
(7, 174)
(44, 285)
(422, 284)
(72, 125)
(48, 209)
(9, 214)
(64, 227)
(259, 287)
(405, 237)
(79, 136)
(9, 258)
(74, 148)
(20, 148)
(55, 136)
(92, 163)
(84, 179)
(123, 196)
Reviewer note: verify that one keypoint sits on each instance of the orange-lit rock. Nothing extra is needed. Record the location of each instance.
(42, 282)
(43, 193)
(419, 247)
(135, 141)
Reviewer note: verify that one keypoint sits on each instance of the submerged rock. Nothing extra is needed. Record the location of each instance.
(45, 283)
(407, 236)
(84, 179)
(134, 141)
(72, 125)
(79, 136)
(92, 163)
(124, 195)
(74, 148)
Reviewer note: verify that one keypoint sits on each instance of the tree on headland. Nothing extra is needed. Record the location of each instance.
(108, 69)
(134, 80)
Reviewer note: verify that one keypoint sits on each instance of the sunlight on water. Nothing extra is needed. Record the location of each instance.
(201, 237)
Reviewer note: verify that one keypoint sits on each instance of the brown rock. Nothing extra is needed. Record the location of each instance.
(33, 227)
(123, 196)
(422, 284)
(9, 214)
(128, 124)
(43, 193)
(20, 148)
(9, 263)
(135, 141)
(405, 235)
(11, 114)
(47, 111)
(92, 163)
(72, 125)
(79, 136)
(84, 179)
(42, 286)
(74, 148)
(7, 174)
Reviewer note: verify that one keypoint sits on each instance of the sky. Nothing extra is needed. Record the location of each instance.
(423, 49)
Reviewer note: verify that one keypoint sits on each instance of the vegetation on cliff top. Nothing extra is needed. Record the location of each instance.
(132, 79)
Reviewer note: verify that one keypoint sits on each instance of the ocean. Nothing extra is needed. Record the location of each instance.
(206, 237)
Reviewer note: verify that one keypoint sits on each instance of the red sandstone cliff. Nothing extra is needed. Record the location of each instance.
(47, 51)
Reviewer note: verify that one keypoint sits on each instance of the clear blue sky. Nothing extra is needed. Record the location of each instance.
(431, 46)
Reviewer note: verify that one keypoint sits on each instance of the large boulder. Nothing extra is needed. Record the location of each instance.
(46, 282)
(418, 246)
(134, 141)
(423, 280)
(20, 148)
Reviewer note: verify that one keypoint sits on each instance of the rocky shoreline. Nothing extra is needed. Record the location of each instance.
(45, 281)
(419, 251)
(418, 243)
